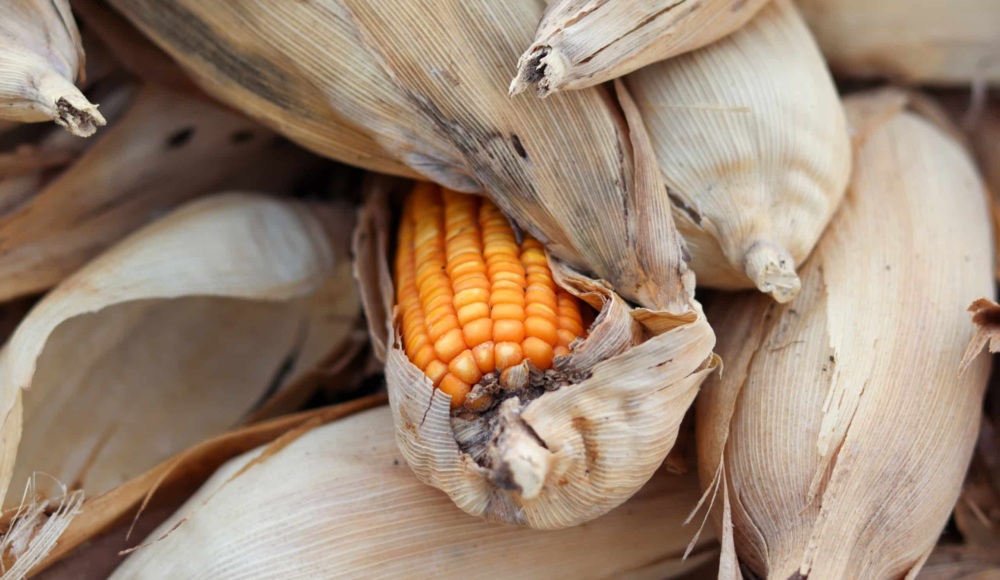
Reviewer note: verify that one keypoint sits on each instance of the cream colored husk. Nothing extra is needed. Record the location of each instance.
(582, 43)
(751, 138)
(838, 438)
(338, 501)
(913, 41)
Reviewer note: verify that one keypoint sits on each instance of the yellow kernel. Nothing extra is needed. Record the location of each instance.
(507, 312)
(466, 297)
(541, 311)
(560, 351)
(465, 368)
(450, 345)
(507, 297)
(508, 354)
(508, 331)
(475, 311)
(538, 351)
(541, 328)
(436, 371)
(454, 386)
(424, 356)
(478, 331)
(447, 323)
(483, 353)
(574, 326)
(565, 337)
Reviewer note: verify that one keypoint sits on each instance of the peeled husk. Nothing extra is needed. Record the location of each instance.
(582, 43)
(912, 41)
(751, 138)
(339, 501)
(418, 88)
(135, 357)
(837, 440)
(571, 454)
(166, 149)
(41, 56)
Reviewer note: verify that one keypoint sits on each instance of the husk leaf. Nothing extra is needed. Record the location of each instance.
(165, 150)
(41, 56)
(112, 519)
(572, 454)
(337, 501)
(841, 422)
(910, 41)
(418, 88)
(134, 357)
(751, 138)
(582, 43)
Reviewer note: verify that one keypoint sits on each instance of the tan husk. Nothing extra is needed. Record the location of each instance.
(419, 88)
(841, 431)
(165, 150)
(751, 138)
(133, 358)
(582, 43)
(41, 56)
(571, 454)
(338, 501)
(914, 41)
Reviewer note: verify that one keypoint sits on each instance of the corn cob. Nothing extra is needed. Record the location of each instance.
(475, 302)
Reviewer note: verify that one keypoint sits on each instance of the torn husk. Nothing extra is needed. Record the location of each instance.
(572, 453)
(582, 43)
(41, 56)
(380, 85)
(751, 139)
(166, 149)
(351, 509)
(135, 357)
(910, 41)
(841, 430)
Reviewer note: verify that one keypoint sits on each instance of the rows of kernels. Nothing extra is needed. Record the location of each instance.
(473, 300)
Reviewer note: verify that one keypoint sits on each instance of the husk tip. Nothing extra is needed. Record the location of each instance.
(772, 270)
(542, 67)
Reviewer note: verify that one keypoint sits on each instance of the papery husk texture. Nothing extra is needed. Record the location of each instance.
(170, 337)
(841, 430)
(41, 56)
(582, 43)
(911, 41)
(751, 138)
(571, 454)
(418, 88)
(339, 502)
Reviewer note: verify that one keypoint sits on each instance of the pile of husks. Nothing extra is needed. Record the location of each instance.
(489, 289)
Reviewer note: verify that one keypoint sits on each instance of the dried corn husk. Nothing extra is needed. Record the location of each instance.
(419, 88)
(337, 501)
(751, 138)
(923, 41)
(41, 56)
(582, 43)
(571, 454)
(165, 150)
(839, 436)
(133, 358)
(116, 517)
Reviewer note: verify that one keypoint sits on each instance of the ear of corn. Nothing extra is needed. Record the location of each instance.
(474, 301)
(841, 431)
(750, 136)
(582, 43)
(910, 41)
(546, 449)
(40, 58)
